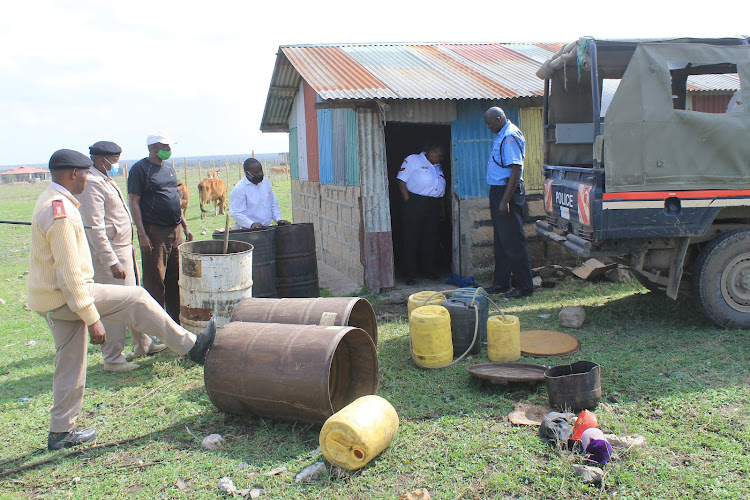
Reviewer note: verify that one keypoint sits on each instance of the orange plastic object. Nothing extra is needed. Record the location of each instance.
(586, 420)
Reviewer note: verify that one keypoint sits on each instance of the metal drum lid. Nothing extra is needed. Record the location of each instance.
(508, 372)
(545, 343)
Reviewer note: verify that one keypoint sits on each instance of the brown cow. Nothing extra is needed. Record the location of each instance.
(182, 190)
(280, 170)
(212, 191)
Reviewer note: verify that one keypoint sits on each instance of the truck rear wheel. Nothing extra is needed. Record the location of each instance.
(722, 280)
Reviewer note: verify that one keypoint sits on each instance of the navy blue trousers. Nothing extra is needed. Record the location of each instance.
(511, 250)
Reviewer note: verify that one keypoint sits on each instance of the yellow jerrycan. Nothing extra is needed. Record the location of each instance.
(417, 300)
(503, 338)
(431, 339)
(357, 433)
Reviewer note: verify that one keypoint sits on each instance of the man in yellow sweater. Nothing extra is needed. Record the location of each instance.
(62, 289)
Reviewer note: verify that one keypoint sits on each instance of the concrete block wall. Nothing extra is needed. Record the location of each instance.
(476, 239)
(306, 205)
(335, 212)
(340, 230)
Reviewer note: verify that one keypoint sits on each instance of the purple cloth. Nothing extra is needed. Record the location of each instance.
(599, 450)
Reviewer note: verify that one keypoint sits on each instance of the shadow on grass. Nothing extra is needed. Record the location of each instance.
(257, 442)
(96, 378)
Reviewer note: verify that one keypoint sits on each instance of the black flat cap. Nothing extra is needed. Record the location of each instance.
(67, 158)
(105, 148)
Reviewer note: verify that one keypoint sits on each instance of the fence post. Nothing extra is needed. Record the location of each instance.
(200, 175)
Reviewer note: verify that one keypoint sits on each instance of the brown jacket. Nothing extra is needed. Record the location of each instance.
(103, 206)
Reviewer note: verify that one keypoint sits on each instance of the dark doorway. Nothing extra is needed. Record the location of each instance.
(402, 140)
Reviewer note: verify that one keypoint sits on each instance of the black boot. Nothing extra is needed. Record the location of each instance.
(60, 440)
(203, 343)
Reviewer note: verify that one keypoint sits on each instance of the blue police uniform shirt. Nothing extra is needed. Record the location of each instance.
(513, 145)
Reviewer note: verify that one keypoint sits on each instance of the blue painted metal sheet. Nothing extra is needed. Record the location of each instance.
(325, 145)
(293, 153)
(471, 144)
(339, 147)
(352, 149)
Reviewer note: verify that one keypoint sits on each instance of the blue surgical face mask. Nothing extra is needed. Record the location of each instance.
(115, 167)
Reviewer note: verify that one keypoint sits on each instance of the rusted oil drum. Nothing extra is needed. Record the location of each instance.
(289, 372)
(326, 311)
(296, 262)
(213, 283)
(264, 257)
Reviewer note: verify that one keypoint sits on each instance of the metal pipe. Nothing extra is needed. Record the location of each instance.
(579, 241)
(544, 225)
(24, 223)
(596, 98)
(576, 249)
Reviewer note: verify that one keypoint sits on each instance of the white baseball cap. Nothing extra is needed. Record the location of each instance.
(160, 136)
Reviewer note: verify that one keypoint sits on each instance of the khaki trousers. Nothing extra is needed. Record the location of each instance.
(128, 305)
(115, 343)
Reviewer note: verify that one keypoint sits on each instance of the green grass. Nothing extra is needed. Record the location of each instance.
(667, 374)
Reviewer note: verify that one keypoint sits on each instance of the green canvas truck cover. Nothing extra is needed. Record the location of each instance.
(651, 146)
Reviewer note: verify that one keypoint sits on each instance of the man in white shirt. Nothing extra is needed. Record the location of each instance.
(252, 202)
(422, 186)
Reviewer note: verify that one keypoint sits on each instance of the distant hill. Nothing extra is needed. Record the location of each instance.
(192, 161)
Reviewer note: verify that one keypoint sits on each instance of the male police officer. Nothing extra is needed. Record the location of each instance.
(507, 197)
(61, 288)
(110, 239)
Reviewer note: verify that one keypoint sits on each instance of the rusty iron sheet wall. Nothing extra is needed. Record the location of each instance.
(311, 132)
(377, 251)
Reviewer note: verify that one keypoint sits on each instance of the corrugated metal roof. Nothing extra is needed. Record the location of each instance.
(404, 71)
(727, 82)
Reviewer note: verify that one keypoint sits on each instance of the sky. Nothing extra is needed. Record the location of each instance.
(76, 72)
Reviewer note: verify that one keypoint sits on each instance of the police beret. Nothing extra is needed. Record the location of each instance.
(67, 158)
(105, 148)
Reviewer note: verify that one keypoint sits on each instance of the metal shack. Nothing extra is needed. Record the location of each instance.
(354, 112)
